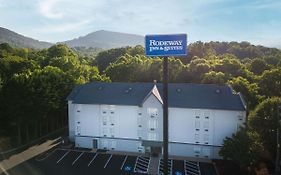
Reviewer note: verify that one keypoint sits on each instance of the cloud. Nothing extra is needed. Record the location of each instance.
(46, 8)
(59, 28)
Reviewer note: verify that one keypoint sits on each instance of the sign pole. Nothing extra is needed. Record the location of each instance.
(165, 45)
(165, 115)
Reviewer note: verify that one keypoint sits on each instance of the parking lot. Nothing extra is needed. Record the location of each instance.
(77, 162)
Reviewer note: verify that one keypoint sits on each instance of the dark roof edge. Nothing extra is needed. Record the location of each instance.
(242, 100)
(240, 97)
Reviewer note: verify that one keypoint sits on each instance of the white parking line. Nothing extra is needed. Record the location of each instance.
(77, 158)
(63, 156)
(93, 159)
(123, 162)
(136, 164)
(107, 161)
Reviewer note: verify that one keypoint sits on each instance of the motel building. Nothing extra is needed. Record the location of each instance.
(129, 117)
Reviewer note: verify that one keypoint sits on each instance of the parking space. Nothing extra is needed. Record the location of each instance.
(73, 162)
(184, 167)
(129, 164)
(178, 167)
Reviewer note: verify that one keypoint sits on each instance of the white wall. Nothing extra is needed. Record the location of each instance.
(127, 121)
(146, 119)
(212, 125)
(123, 122)
(226, 123)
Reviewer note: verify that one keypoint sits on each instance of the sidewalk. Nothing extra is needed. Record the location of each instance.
(27, 154)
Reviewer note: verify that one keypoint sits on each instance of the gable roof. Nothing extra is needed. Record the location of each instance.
(181, 95)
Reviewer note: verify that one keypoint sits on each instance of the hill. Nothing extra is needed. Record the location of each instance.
(106, 40)
(17, 40)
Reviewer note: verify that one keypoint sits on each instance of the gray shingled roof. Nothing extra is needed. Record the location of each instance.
(181, 95)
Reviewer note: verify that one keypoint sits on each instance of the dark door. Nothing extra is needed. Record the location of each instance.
(95, 143)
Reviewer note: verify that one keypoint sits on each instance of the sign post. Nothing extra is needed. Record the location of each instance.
(165, 45)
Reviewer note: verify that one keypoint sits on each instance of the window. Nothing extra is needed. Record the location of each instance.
(111, 130)
(112, 119)
(207, 114)
(104, 120)
(206, 138)
(152, 124)
(206, 152)
(197, 124)
(140, 134)
(113, 144)
(196, 137)
(152, 136)
(78, 129)
(104, 144)
(197, 113)
(240, 117)
(104, 132)
(197, 150)
(206, 124)
(152, 112)
(78, 107)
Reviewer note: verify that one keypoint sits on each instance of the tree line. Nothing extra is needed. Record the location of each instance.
(35, 83)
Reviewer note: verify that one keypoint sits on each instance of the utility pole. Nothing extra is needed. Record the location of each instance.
(165, 115)
(277, 160)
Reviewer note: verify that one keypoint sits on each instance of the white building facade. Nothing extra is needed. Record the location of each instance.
(129, 117)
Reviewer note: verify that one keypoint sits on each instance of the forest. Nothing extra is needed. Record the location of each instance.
(34, 84)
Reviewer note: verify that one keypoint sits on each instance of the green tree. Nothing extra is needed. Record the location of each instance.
(257, 66)
(250, 91)
(270, 83)
(243, 147)
(197, 68)
(13, 64)
(175, 67)
(213, 77)
(263, 120)
(127, 69)
(65, 63)
(272, 60)
(104, 58)
(60, 50)
(15, 108)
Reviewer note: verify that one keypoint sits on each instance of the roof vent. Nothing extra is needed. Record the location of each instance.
(218, 91)
(178, 90)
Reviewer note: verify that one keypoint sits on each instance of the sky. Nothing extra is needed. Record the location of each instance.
(256, 21)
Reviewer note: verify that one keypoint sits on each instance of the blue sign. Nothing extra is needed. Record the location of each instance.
(166, 45)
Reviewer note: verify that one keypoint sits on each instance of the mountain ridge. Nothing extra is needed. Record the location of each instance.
(18, 40)
(102, 39)
(106, 40)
